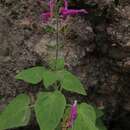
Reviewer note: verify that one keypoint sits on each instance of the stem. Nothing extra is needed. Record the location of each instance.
(57, 35)
(57, 39)
(60, 89)
(56, 86)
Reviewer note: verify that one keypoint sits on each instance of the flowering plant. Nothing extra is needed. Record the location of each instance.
(50, 106)
(63, 11)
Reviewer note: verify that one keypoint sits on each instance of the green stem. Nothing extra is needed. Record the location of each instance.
(61, 88)
(57, 41)
(57, 35)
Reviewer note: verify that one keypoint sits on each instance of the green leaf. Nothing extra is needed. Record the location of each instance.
(16, 114)
(32, 75)
(58, 127)
(88, 111)
(99, 113)
(49, 109)
(49, 77)
(49, 29)
(86, 119)
(99, 121)
(57, 64)
(100, 125)
(72, 83)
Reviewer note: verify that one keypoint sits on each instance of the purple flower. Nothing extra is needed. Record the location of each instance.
(74, 110)
(65, 4)
(73, 114)
(52, 6)
(45, 16)
(63, 11)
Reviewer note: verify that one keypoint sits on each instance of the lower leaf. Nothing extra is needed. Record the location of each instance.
(16, 114)
(86, 119)
(49, 109)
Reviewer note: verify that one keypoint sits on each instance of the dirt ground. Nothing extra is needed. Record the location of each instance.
(96, 48)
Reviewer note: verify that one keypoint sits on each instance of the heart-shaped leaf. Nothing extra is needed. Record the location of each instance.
(16, 114)
(49, 77)
(71, 83)
(49, 109)
(86, 119)
(32, 75)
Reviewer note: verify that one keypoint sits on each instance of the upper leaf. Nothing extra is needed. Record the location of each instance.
(71, 83)
(57, 64)
(49, 77)
(16, 114)
(49, 109)
(32, 75)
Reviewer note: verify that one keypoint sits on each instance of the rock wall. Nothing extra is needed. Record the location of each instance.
(96, 48)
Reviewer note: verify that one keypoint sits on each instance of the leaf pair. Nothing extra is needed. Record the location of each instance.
(36, 74)
(49, 109)
(67, 80)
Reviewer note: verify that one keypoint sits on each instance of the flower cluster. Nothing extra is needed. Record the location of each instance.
(63, 11)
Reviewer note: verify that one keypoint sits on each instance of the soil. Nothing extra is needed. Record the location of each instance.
(96, 48)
